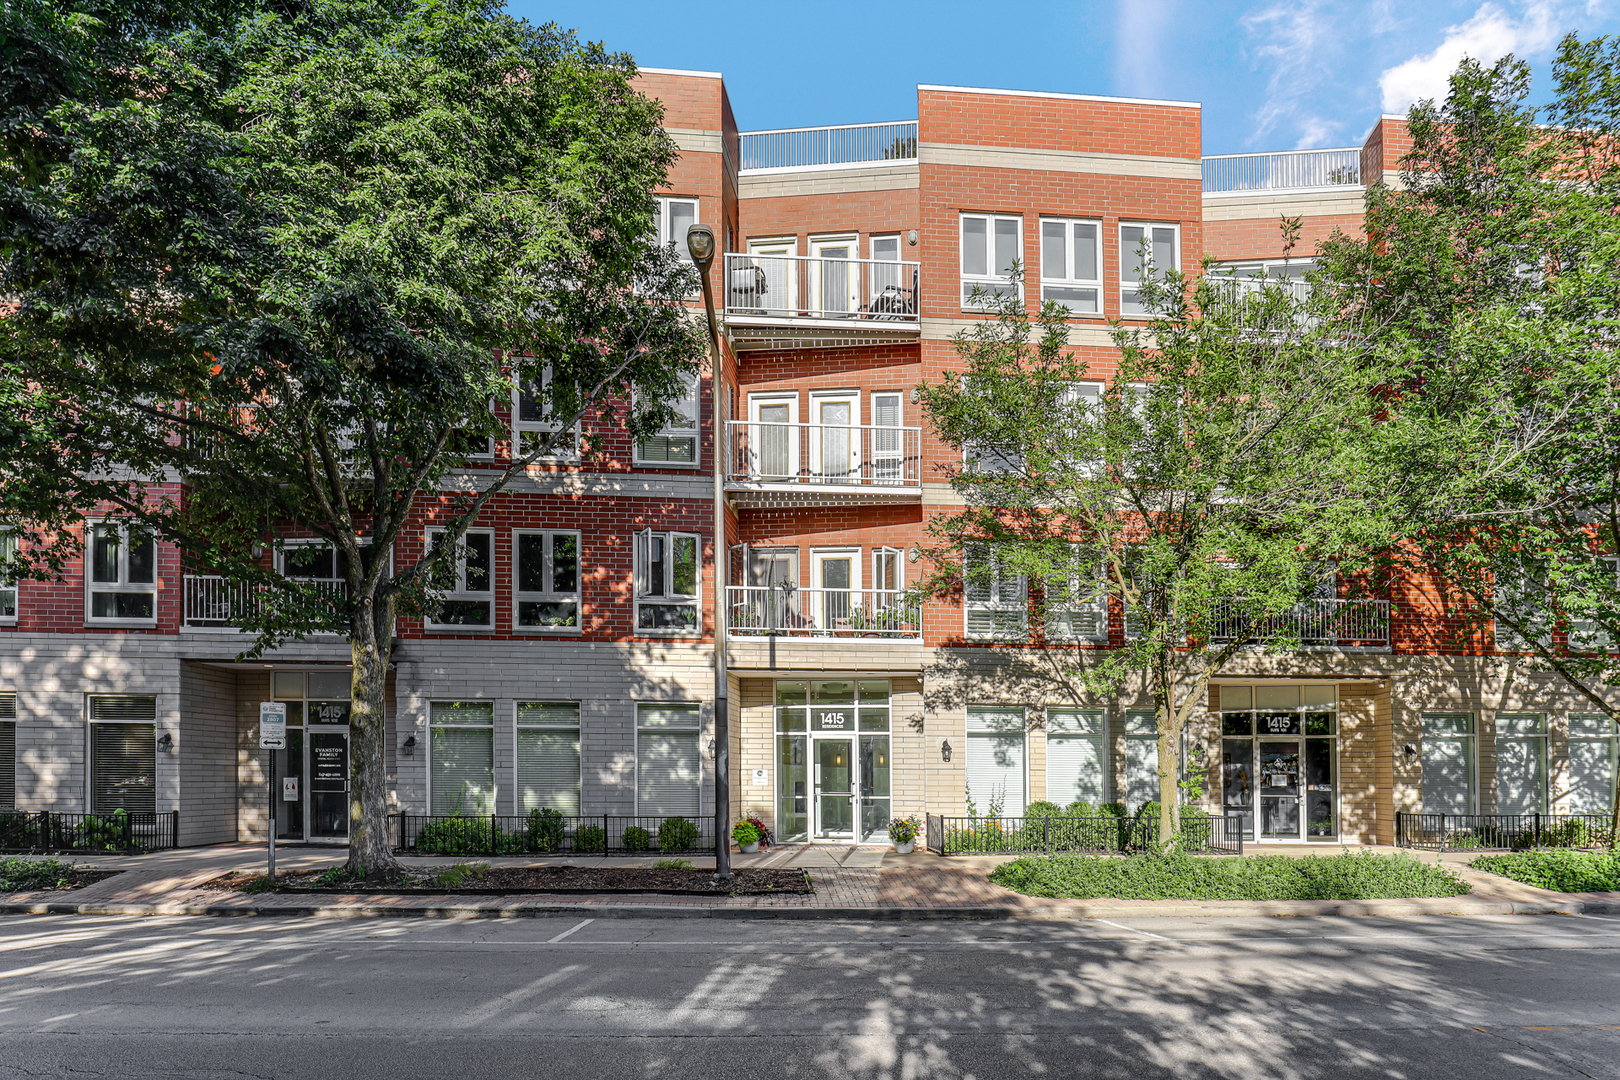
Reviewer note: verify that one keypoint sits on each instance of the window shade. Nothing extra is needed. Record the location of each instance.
(548, 769)
(1448, 764)
(123, 707)
(1141, 770)
(1075, 769)
(1591, 765)
(123, 767)
(995, 770)
(548, 712)
(668, 772)
(8, 706)
(463, 770)
(464, 712)
(8, 764)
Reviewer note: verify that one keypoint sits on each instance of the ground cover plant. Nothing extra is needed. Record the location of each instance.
(26, 875)
(1345, 876)
(665, 876)
(1560, 871)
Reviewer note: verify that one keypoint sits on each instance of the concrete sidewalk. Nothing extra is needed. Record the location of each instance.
(850, 882)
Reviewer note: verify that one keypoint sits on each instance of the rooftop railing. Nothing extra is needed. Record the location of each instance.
(1291, 170)
(848, 144)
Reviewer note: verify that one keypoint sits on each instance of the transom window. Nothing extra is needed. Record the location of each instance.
(991, 246)
(1071, 264)
(667, 582)
(547, 580)
(123, 575)
(1144, 250)
(470, 600)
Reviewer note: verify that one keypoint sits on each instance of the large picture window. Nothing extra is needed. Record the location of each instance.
(548, 756)
(1076, 756)
(1521, 763)
(667, 582)
(122, 583)
(1448, 763)
(991, 246)
(1591, 764)
(1144, 250)
(669, 769)
(461, 737)
(123, 754)
(995, 760)
(1071, 264)
(470, 600)
(547, 580)
(677, 442)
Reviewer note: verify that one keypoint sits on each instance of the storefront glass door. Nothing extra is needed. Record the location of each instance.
(329, 784)
(1280, 789)
(835, 789)
(832, 760)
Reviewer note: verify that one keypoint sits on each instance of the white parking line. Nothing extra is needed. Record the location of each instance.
(571, 930)
(1133, 930)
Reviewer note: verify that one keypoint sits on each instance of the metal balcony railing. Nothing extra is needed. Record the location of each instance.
(855, 291)
(1357, 623)
(847, 144)
(1256, 299)
(219, 603)
(789, 611)
(1295, 169)
(831, 455)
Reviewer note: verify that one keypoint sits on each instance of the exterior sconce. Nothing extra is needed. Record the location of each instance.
(911, 238)
(165, 743)
(1410, 751)
(913, 553)
(916, 395)
(714, 748)
(408, 747)
(945, 750)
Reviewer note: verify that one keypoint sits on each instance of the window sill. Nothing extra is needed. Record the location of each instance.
(689, 466)
(435, 628)
(120, 624)
(547, 631)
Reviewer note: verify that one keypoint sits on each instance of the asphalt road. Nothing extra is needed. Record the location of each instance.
(1402, 999)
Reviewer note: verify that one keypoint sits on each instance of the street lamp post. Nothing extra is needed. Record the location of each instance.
(700, 244)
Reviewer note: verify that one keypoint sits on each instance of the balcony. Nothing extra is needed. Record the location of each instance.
(783, 464)
(764, 611)
(809, 301)
(217, 603)
(1298, 170)
(1343, 624)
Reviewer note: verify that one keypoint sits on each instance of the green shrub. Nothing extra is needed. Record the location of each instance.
(18, 829)
(742, 833)
(1080, 808)
(17, 875)
(635, 838)
(1361, 876)
(1560, 871)
(109, 832)
(546, 829)
(1042, 809)
(677, 834)
(459, 874)
(456, 835)
(1112, 809)
(590, 838)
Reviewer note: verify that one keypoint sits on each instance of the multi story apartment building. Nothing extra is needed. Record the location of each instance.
(575, 666)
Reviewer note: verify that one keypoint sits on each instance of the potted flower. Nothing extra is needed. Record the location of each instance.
(903, 832)
(764, 833)
(746, 836)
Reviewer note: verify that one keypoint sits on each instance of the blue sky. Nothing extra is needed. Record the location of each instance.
(1271, 75)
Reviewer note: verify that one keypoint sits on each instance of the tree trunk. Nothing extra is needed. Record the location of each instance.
(1169, 753)
(370, 645)
(1614, 808)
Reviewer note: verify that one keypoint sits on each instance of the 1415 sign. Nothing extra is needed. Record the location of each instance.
(834, 719)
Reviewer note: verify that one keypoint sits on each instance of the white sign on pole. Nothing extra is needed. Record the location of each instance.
(272, 725)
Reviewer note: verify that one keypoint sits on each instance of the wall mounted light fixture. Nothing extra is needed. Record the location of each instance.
(911, 237)
(408, 747)
(165, 742)
(945, 750)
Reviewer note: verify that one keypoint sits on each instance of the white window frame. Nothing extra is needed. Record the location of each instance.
(1605, 736)
(550, 594)
(10, 589)
(663, 222)
(494, 773)
(1003, 597)
(673, 432)
(1131, 730)
(309, 542)
(1069, 279)
(1129, 286)
(758, 431)
(1585, 635)
(123, 586)
(697, 731)
(1061, 593)
(1536, 741)
(92, 722)
(519, 726)
(668, 598)
(1470, 738)
(987, 731)
(568, 449)
(460, 592)
(1098, 736)
(989, 281)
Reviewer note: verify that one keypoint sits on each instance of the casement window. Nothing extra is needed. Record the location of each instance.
(546, 580)
(890, 288)
(1077, 602)
(1076, 756)
(461, 757)
(669, 768)
(667, 582)
(123, 753)
(470, 599)
(532, 422)
(676, 443)
(888, 573)
(672, 216)
(8, 751)
(1448, 763)
(1521, 763)
(991, 247)
(8, 584)
(996, 601)
(1592, 751)
(548, 756)
(995, 760)
(1071, 264)
(1161, 246)
(1141, 782)
(122, 583)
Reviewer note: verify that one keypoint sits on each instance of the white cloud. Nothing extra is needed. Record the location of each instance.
(1138, 42)
(1294, 40)
(1487, 37)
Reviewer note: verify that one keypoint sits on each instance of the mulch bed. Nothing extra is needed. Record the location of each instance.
(514, 880)
(74, 879)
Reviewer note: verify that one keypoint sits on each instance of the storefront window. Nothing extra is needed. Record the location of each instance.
(1279, 760)
(823, 728)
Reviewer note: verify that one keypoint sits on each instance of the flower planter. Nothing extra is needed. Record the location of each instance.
(906, 848)
(750, 849)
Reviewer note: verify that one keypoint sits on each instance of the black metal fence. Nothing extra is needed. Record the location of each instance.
(1063, 835)
(1501, 832)
(120, 832)
(547, 832)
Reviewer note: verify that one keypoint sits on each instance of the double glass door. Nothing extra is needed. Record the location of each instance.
(1285, 786)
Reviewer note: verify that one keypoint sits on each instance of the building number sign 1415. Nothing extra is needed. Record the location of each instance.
(833, 720)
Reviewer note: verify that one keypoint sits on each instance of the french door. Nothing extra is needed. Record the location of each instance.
(773, 444)
(835, 277)
(835, 443)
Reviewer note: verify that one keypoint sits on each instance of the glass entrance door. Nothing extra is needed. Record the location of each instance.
(328, 784)
(1280, 788)
(835, 789)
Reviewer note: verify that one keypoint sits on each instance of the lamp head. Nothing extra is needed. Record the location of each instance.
(700, 243)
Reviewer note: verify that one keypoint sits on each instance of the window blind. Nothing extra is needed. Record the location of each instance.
(548, 712)
(123, 707)
(668, 772)
(463, 776)
(1521, 763)
(8, 764)
(1076, 764)
(1448, 764)
(464, 712)
(123, 767)
(548, 769)
(995, 760)
(1591, 764)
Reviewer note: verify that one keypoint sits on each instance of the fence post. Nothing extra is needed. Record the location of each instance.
(492, 845)
(1046, 834)
(129, 838)
(606, 843)
(1538, 828)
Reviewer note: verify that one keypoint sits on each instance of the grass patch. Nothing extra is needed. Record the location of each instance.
(26, 875)
(1359, 876)
(1560, 871)
(459, 874)
(674, 864)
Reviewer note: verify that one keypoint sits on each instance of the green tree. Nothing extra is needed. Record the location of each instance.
(283, 260)
(1209, 487)
(1493, 273)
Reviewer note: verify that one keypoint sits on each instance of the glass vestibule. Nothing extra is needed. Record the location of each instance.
(312, 773)
(1279, 767)
(832, 759)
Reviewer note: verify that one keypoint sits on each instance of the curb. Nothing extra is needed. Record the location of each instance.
(1282, 909)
